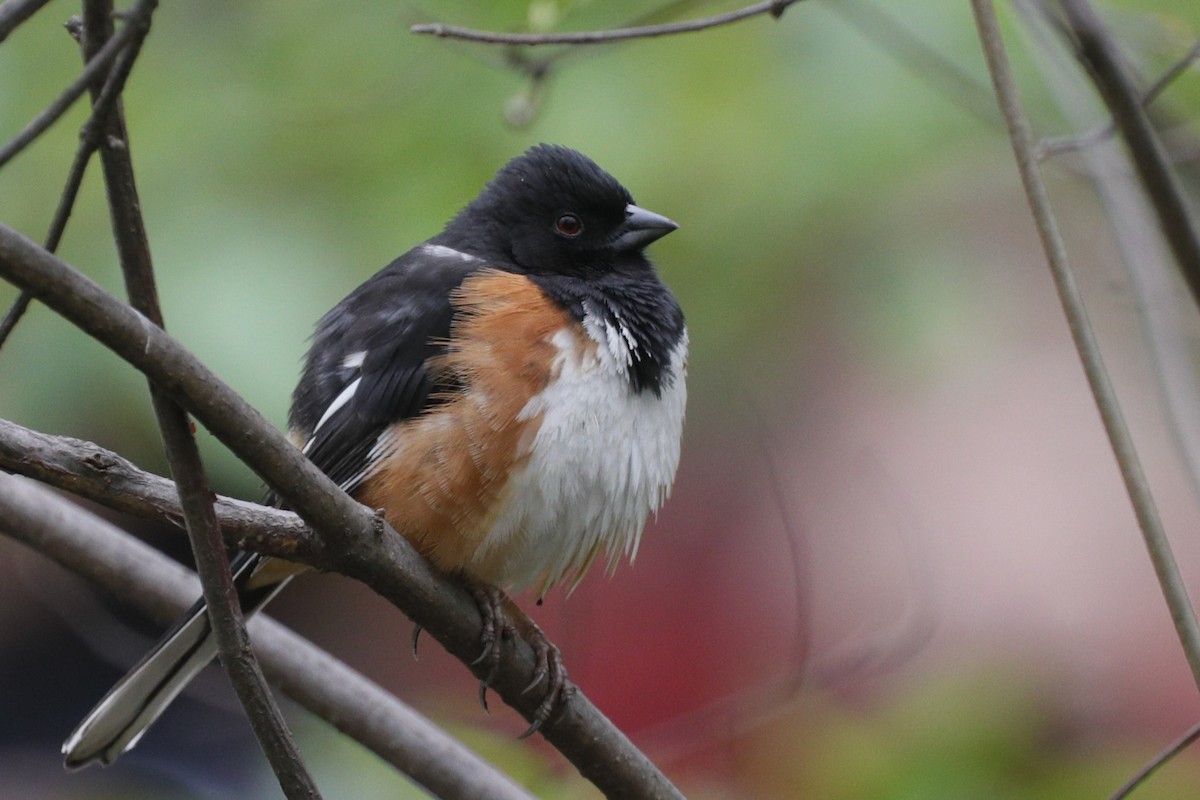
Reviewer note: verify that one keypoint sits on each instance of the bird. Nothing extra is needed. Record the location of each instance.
(509, 393)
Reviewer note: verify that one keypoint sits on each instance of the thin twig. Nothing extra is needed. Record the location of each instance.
(773, 7)
(95, 67)
(881, 27)
(1159, 547)
(1050, 147)
(1175, 748)
(89, 140)
(1099, 53)
(1163, 307)
(122, 566)
(14, 12)
(360, 545)
(183, 455)
(13, 315)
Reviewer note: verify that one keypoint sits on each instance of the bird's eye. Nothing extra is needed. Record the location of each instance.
(569, 225)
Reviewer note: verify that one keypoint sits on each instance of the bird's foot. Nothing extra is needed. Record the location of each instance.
(496, 609)
(549, 669)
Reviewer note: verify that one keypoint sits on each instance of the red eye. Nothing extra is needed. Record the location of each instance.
(569, 225)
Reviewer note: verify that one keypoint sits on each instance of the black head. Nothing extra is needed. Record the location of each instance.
(553, 210)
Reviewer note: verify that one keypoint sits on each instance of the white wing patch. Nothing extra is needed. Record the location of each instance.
(441, 251)
(337, 403)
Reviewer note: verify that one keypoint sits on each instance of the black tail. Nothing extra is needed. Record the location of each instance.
(123, 715)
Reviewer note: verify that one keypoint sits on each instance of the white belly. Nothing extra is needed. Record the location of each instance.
(602, 460)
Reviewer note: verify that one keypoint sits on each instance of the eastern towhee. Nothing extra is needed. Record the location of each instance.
(511, 394)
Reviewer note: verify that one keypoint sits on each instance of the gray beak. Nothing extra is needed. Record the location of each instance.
(641, 227)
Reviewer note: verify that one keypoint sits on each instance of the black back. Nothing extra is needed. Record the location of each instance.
(400, 318)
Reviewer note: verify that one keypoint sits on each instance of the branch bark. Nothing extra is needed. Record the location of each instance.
(113, 560)
(89, 471)
(360, 545)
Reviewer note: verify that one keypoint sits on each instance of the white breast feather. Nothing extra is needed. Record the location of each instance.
(603, 459)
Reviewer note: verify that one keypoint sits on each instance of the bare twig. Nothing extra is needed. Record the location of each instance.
(1163, 305)
(137, 17)
(160, 588)
(1099, 53)
(89, 140)
(14, 12)
(773, 7)
(1159, 547)
(1051, 147)
(13, 315)
(1175, 748)
(195, 495)
(881, 27)
(360, 545)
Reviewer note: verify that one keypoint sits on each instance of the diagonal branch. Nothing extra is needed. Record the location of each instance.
(1136, 486)
(926, 63)
(137, 17)
(89, 140)
(195, 494)
(160, 588)
(1098, 52)
(360, 545)
(14, 12)
(1051, 147)
(1189, 737)
(773, 7)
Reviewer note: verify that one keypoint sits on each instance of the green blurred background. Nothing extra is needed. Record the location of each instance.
(898, 562)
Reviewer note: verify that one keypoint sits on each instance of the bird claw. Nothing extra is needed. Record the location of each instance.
(496, 628)
(550, 668)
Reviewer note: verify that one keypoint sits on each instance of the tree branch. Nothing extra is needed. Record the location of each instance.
(1161, 556)
(89, 471)
(1173, 749)
(183, 455)
(1099, 53)
(360, 544)
(116, 562)
(1050, 147)
(773, 7)
(14, 12)
(138, 16)
(89, 140)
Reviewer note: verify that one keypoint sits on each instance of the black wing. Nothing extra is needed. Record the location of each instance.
(368, 366)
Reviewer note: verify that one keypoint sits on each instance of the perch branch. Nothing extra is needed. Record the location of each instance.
(160, 588)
